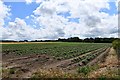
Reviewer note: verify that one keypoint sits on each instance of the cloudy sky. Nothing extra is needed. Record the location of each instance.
(53, 19)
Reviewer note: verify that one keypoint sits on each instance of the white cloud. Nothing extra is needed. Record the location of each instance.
(38, 1)
(19, 30)
(27, 17)
(92, 22)
(107, 28)
(29, 1)
(52, 26)
(4, 13)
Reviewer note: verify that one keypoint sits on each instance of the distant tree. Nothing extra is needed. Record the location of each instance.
(86, 40)
(25, 40)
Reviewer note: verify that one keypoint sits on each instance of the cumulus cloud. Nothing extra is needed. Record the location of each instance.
(19, 30)
(16, 30)
(92, 22)
(107, 28)
(4, 13)
(44, 10)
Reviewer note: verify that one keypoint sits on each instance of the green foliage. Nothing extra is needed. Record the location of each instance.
(85, 70)
(102, 78)
(60, 50)
(88, 57)
(11, 71)
(116, 44)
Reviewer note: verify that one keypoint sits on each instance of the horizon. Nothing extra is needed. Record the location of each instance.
(53, 19)
(61, 39)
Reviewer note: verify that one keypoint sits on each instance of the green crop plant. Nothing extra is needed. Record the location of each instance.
(58, 49)
(85, 70)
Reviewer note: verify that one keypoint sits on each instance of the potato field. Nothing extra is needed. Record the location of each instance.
(54, 59)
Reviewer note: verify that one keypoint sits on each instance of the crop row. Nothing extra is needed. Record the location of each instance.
(58, 50)
(87, 58)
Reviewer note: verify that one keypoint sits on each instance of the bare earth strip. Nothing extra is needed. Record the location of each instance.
(110, 64)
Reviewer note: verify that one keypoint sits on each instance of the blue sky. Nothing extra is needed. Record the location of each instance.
(54, 19)
(22, 10)
(112, 10)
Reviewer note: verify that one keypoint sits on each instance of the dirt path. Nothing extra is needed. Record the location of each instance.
(110, 64)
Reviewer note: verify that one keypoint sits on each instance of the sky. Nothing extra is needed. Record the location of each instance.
(53, 19)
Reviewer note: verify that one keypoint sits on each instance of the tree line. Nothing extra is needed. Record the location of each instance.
(71, 39)
(93, 40)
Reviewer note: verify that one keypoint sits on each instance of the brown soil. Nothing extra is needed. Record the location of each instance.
(28, 63)
(25, 66)
(108, 68)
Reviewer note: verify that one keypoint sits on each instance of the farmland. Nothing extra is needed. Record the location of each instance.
(57, 58)
(63, 50)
